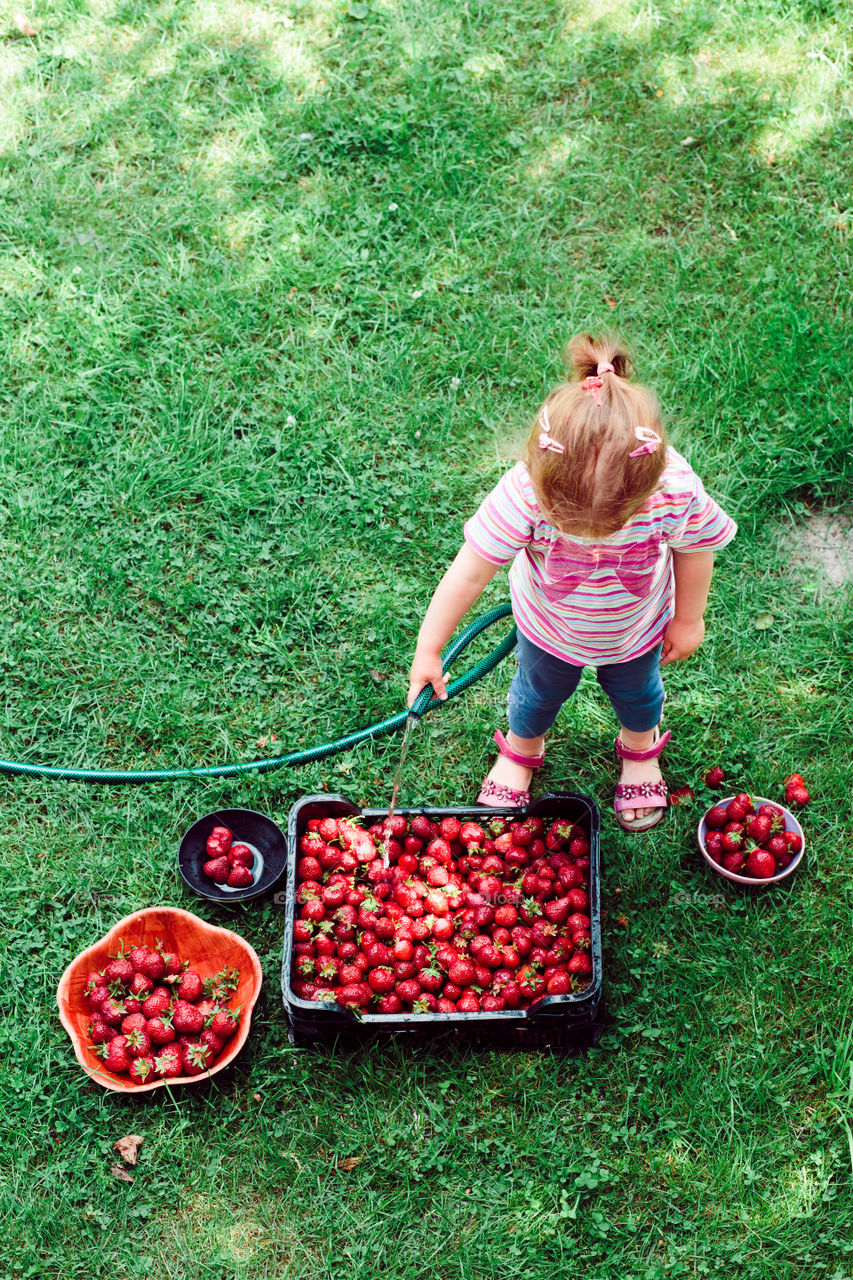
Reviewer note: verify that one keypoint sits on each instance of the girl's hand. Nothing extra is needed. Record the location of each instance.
(681, 639)
(426, 669)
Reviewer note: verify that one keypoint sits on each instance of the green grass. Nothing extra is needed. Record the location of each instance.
(280, 288)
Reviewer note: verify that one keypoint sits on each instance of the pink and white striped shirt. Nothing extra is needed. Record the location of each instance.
(596, 600)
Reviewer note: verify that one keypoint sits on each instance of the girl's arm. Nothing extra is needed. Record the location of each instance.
(686, 631)
(464, 582)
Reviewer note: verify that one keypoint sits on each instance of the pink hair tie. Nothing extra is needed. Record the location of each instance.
(545, 441)
(604, 367)
(593, 386)
(650, 440)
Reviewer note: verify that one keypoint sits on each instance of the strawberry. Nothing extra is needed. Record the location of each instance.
(152, 965)
(512, 995)
(733, 861)
(775, 816)
(169, 1062)
(119, 969)
(736, 810)
(160, 1030)
(190, 986)
(797, 796)
(100, 1032)
(468, 1003)
(732, 841)
(450, 828)
(461, 972)
(777, 846)
(559, 984)
(142, 1068)
(793, 780)
(716, 818)
(137, 957)
(113, 1011)
(557, 910)
(240, 855)
(794, 841)
(355, 996)
(138, 1042)
(682, 795)
(186, 1018)
(307, 868)
(211, 1039)
(381, 980)
(390, 1003)
(217, 869)
(758, 827)
(470, 834)
(133, 1022)
(240, 878)
(114, 1054)
(760, 864)
(197, 1058)
(714, 776)
(158, 1002)
(140, 986)
(408, 990)
(219, 841)
(172, 966)
(97, 997)
(224, 1023)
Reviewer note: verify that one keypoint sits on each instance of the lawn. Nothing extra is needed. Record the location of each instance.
(281, 286)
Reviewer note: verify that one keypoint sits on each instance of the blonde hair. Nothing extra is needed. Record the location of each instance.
(593, 486)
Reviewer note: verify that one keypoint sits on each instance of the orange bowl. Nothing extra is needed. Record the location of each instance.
(208, 949)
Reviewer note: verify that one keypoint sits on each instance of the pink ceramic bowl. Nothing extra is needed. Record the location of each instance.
(791, 824)
(208, 949)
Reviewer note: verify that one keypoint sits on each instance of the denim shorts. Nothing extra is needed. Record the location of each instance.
(543, 683)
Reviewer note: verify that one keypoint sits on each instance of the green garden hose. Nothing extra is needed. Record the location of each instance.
(426, 701)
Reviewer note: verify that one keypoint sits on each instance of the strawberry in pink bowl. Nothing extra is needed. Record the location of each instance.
(750, 840)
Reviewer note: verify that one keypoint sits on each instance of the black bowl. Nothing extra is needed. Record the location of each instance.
(256, 830)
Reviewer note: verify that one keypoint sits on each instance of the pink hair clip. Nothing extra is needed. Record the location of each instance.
(545, 441)
(593, 386)
(650, 440)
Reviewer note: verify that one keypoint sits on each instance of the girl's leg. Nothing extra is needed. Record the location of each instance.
(636, 693)
(538, 690)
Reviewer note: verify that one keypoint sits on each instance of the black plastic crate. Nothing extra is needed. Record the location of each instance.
(568, 1023)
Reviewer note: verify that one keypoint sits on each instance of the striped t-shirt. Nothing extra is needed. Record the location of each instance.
(597, 600)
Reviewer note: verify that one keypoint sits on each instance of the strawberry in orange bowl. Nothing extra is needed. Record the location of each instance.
(115, 1040)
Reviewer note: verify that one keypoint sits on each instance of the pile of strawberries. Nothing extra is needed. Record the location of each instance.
(748, 841)
(462, 919)
(155, 1018)
(228, 863)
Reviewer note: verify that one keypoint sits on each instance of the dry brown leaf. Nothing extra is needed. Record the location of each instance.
(23, 24)
(128, 1147)
(121, 1174)
(349, 1164)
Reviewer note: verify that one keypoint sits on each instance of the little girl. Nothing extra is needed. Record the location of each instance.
(612, 540)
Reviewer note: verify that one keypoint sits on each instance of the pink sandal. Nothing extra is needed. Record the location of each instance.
(644, 795)
(495, 794)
